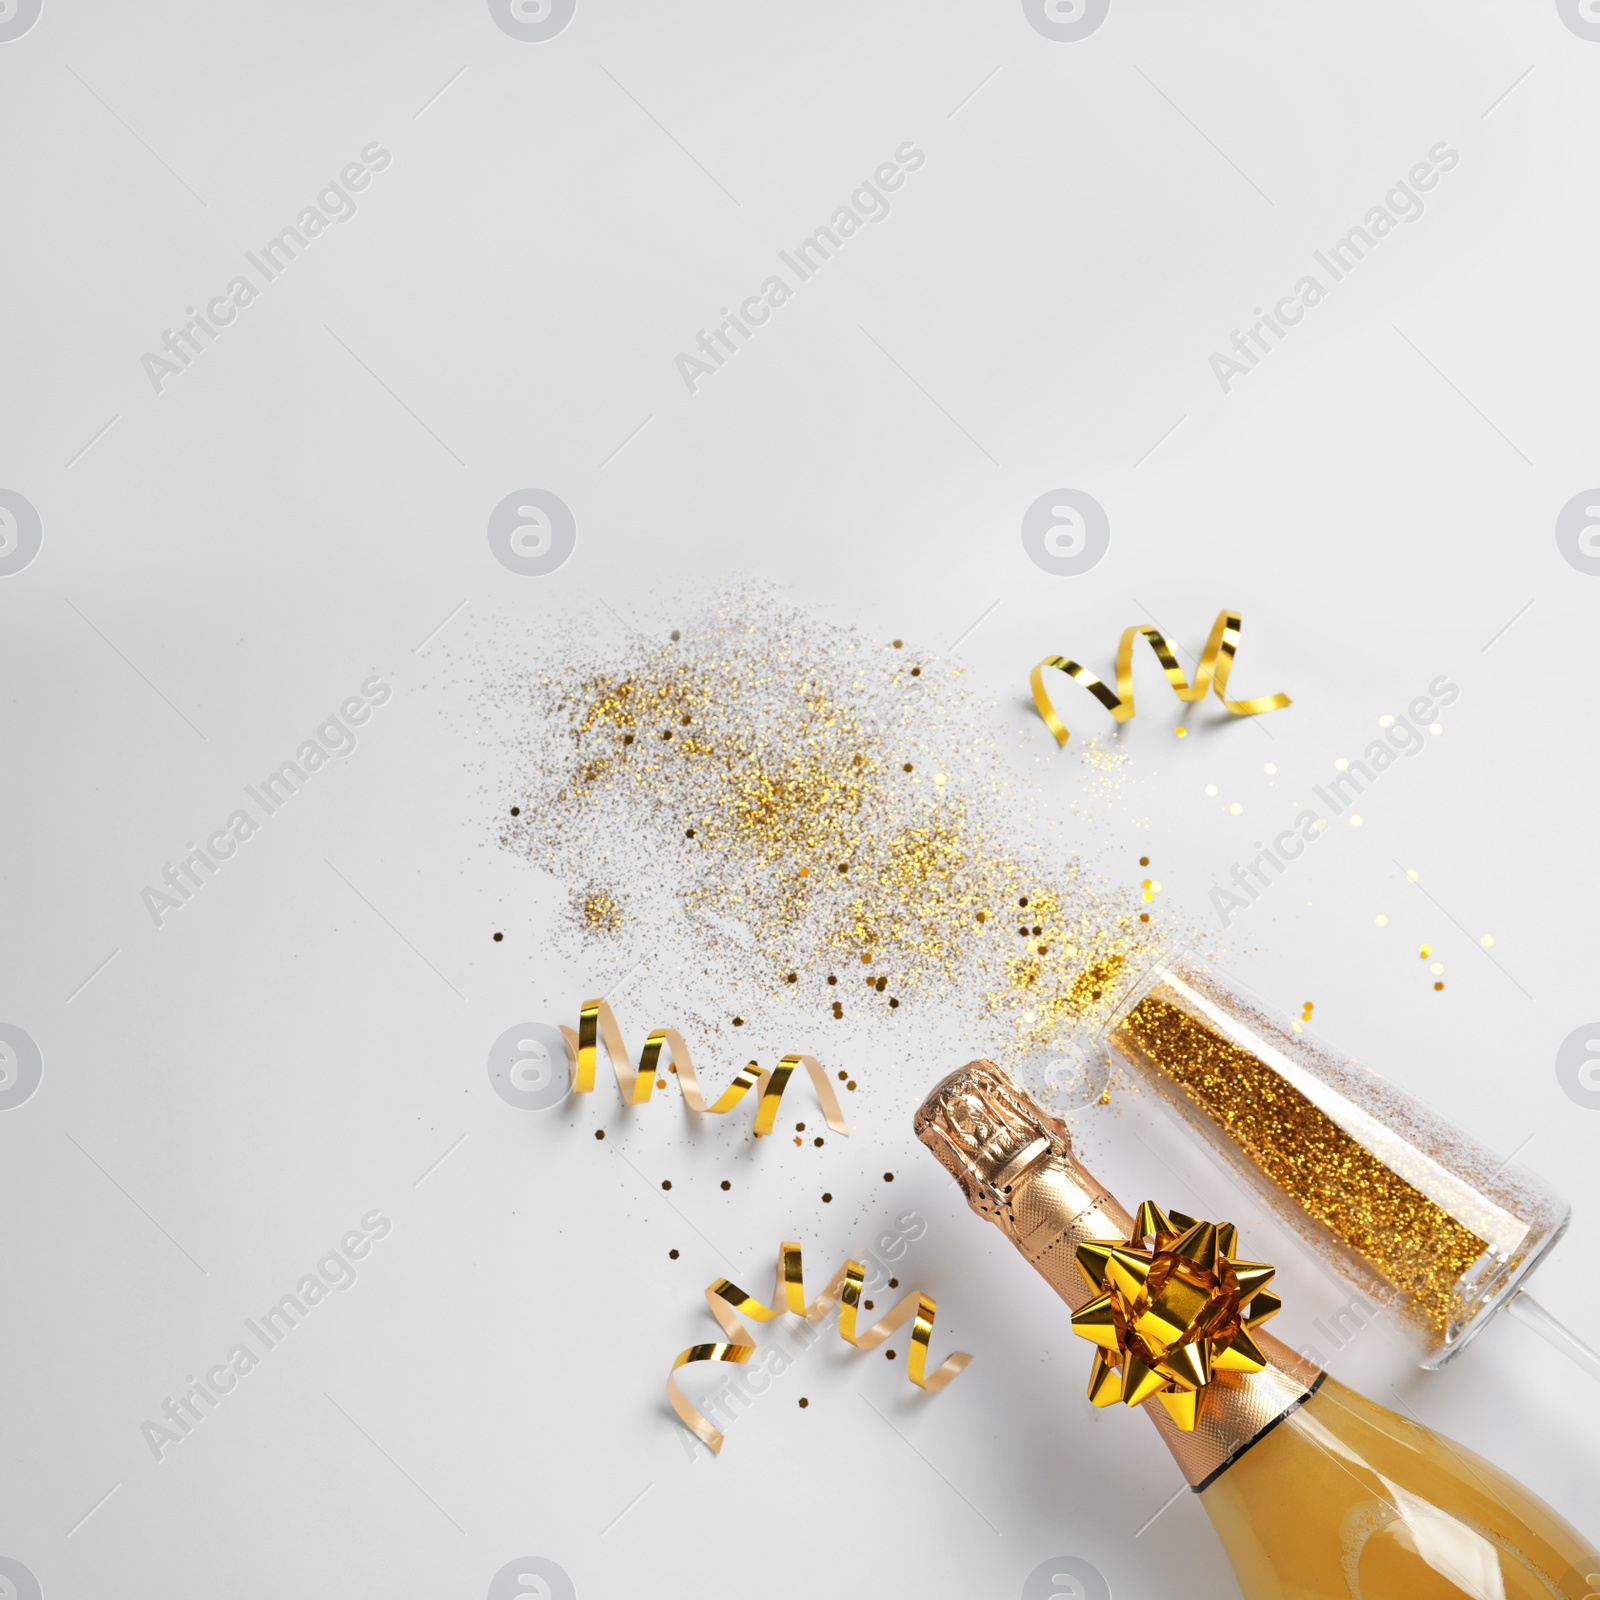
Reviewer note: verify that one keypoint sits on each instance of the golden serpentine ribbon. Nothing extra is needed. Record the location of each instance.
(1216, 662)
(728, 1301)
(597, 1025)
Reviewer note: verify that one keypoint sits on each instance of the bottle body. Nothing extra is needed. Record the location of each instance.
(1345, 1500)
(1316, 1492)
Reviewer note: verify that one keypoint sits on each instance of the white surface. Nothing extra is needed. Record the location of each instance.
(236, 555)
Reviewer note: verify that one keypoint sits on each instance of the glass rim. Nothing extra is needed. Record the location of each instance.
(1129, 989)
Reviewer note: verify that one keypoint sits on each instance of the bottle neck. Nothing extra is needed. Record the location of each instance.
(1054, 1206)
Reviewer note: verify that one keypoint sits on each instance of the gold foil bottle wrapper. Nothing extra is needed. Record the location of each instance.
(1015, 1164)
(597, 1026)
(728, 1302)
(1216, 665)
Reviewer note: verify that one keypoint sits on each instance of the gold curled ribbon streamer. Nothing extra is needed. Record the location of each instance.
(1216, 663)
(728, 1302)
(597, 1025)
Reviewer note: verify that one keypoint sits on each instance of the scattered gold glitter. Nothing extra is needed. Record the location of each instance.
(1438, 986)
(1487, 941)
(1211, 788)
(1342, 764)
(1369, 1207)
(1413, 874)
(1270, 768)
(1435, 728)
(1101, 758)
(1436, 968)
(1236, 809)
(1425, 951)
(1305, 1012)
(1356, 819)
(809, 848)
(1381, 920)
(1181, 732)
(601, 911)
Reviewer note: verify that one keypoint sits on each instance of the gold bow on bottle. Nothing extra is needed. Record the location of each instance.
(1172, 1312)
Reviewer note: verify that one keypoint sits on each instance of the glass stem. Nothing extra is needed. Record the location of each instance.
(1527, 1310)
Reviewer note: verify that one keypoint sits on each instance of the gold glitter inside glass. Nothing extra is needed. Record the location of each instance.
(1419, 1215)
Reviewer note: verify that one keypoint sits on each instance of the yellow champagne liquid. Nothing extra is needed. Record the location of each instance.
(1344, 1500)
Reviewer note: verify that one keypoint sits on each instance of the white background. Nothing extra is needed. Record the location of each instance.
(306, 504)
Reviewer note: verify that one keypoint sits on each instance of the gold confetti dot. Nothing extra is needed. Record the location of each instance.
(1413, 874)
(1487, 941)
(1270, 769)
(1236, 809)
(1381, 920)
(1436, 728)
(1356, 819)
(1211, 788)
(1181, 732)
(1425, 952)
(1341, 764)
(1386, 721)
(1436, 968)
(1438, 986)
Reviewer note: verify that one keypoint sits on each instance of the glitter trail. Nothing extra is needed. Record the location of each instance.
(787, 801)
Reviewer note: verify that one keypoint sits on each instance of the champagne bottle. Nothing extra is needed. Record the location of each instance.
(1316, 1492)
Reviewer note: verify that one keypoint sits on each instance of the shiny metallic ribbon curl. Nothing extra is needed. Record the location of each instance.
(728, 1302)
(597, 1025)
(1216, 663)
